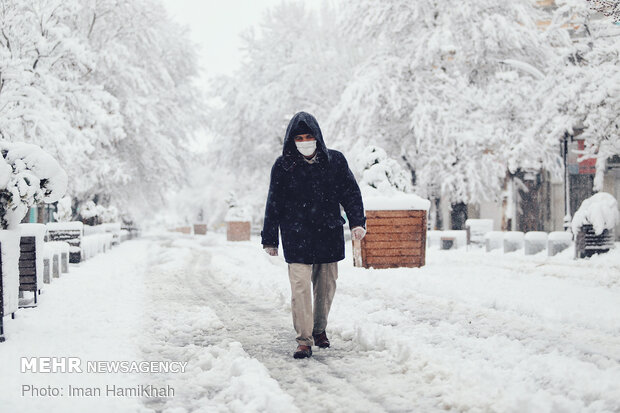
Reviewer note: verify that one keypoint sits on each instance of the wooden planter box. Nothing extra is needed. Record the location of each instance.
(238, 230)
(394, 238)
(200, 229)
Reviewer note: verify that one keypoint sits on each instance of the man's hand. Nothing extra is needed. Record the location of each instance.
(273, 251)
(358, 233)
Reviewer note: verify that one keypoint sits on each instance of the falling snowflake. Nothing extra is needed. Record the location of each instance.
(609, 8)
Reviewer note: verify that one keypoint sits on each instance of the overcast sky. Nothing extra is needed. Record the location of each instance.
(216, 24)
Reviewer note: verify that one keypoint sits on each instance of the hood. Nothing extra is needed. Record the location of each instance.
(302, 122)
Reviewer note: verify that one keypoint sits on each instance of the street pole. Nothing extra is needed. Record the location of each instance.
(567, 215)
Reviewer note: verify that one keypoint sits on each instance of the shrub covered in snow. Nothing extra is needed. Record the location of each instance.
(385, 184)
(236, 212)
(63, 212)
(600, 211)
(28, 175)
(381, 172)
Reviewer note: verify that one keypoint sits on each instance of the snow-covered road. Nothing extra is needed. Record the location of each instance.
(470, 331)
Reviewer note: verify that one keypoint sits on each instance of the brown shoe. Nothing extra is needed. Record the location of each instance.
(321, 340)
(302, 352)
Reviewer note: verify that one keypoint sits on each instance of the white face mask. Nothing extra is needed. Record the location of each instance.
(306, 148)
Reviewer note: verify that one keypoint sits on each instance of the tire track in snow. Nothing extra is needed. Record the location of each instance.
(333, 380)
(326, 382)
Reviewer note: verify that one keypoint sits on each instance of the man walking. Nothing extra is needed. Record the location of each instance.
(308, 184)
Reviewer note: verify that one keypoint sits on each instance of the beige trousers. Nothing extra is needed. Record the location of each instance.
(323, 278)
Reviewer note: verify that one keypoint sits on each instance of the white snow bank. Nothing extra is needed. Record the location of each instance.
(242, 383)
(85, 314)
(479, 226)
(9, 246)
(536, 236)
(71, 225)
(470, 331)
(600, 210)
(560, 236)
(94, 244)
(375, 200)
(58, 246)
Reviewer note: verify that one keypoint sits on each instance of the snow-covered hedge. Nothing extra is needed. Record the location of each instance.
(28, 175)
(600, 211)
(95, 244)
(9, 246)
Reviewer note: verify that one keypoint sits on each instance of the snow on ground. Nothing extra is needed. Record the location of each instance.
(93, 312)
(470, 331)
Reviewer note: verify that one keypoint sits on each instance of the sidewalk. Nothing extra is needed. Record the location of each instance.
(94, 313)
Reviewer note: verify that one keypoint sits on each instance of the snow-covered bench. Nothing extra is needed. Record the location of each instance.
(71, 232)
(95, 244)
(113, 228)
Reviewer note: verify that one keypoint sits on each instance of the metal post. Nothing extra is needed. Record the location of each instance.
(567, 214)
(1, 301)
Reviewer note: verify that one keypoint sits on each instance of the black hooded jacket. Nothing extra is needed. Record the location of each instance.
(304, 199)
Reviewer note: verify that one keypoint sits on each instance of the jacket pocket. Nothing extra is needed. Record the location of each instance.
(336, 222)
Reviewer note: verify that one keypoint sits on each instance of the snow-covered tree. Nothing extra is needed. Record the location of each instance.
(382, 172)
(609, 8)
(295, 60)
(584, 89)
(107, 88)
(147, 63)
(445, 86)
(28, 176)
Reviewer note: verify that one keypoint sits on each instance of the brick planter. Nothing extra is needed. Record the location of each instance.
(394, 238)
(200, 229)
(238, 230)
